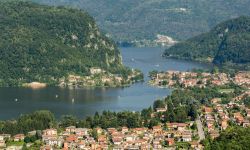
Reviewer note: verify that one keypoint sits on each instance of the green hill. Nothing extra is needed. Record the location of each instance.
(228, 42)
(232, 138)
(47, 44)
(129, 20)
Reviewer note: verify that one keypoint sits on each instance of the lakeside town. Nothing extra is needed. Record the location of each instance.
(72, 75)
(101, 78)
(191, 79)
(97, 78)
(211, 121)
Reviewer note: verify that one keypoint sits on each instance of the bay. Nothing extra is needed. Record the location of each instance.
(83, 102)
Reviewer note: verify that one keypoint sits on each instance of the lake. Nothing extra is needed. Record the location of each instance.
(16, 101)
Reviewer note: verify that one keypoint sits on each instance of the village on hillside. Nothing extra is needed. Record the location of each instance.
(99, 78)
(191, 79)
(117, 139)
(211, 121)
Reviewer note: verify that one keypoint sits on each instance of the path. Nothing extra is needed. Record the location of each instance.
(200, 129)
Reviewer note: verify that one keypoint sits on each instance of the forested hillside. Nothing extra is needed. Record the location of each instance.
(232, 138)
(228, 42)
(45, 44)
(129, 20)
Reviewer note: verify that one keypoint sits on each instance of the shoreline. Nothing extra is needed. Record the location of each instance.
(189, 60)
(39, 85)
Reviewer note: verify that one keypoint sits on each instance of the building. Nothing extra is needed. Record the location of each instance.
(224, 124)
(170, 141)
(71, 129)
(157, 129)
(2, 143)
(95, 70)
(124, 130)
(177, 126)
(208, 110)
(50, 132)
(161, 110)
(187, 136)
(19, 137)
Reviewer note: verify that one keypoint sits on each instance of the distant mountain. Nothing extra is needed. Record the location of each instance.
(129, 20)
(47, 44)
(228, 42)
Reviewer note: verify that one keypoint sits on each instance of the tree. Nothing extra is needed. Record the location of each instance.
(96, 119)
(24, 147)
(193, 112)
(133, 122)
(38, 120)
(153, 122)
(194, 126)
(165, 82)
(68, 120)
(146, 113)
(215, 70)
(27, 139)
(232, 138)
(94, 134)
(84, 124)
(171, 116)
(247, 101)
(181, 114)
(158, 104)
(153, 73)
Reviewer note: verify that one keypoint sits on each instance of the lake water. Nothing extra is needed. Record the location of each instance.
(88, 101)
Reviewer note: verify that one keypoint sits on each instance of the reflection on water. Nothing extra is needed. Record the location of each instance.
(84, 102)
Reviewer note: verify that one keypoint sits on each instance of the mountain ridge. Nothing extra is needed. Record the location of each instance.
(140, 20)
(228, 42)
(47, 44)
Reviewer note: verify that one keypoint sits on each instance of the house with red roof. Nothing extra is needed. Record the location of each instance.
(208, 110)
(224, 124)
(157, 129)
(177, 126)
(50, 132)
(19, 137)
(170, 141)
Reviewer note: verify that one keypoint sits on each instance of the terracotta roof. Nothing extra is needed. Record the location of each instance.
(71, 138)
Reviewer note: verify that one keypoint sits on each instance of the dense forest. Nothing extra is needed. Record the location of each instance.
(228, 42)
(128, 20)
(38, 120)
(43, 43)
(232, 138)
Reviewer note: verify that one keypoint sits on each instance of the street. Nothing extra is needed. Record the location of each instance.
(200, 129)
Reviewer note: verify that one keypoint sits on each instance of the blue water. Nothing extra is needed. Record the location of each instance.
(88, 101)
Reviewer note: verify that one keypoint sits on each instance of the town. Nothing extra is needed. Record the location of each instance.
(182, 120)
(191, 79)
(124, 138)
(99, 77)
(211, 121)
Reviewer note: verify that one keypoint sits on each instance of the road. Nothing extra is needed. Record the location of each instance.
(200, 129)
